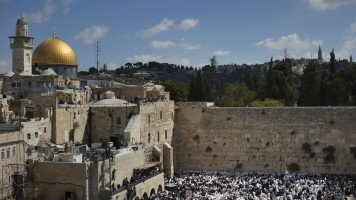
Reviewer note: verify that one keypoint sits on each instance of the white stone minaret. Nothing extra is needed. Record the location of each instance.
(21, 46)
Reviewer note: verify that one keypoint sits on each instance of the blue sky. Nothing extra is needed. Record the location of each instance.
(185, 32)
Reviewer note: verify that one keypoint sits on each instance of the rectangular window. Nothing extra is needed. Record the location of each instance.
(165, 134)
(161, 115)
(3, 154)
(158, 136)
(29, 136)
(36, 134)
(149, 138)
(44, 129)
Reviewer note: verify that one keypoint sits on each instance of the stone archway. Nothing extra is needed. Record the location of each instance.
(153, 191)
(159, 189)
(145, 196)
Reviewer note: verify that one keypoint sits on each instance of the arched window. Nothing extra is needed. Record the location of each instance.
(149, 138)
(160, 114)
(2, 154)
(8, 153)
(165, 134)
(118, 121)
(14, 152)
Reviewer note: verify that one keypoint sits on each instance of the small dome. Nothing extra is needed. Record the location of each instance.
(9, 74)
(21, 21)
(109, 95)
(111, 102)
(25, 73)
(48, 72)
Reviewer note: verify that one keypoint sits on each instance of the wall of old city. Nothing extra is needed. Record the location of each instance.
(264, 139)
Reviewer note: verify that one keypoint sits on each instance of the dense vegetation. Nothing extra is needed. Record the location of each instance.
(277, 88)
(330, 83)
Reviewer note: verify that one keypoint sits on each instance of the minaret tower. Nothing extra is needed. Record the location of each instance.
(320, 54)
(21, 46)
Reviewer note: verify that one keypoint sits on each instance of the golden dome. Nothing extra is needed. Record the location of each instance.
(54, 51)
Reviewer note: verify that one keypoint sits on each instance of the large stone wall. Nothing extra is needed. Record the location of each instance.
(264, 139)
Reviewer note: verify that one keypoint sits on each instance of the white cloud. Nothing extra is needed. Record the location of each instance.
(67, 4)
(113, 66)
(188, 46)
(293, 43)
(163, 26)
(48, 9)
(328, 4)
(149, 58)
(346, 49)
(221, 53)
(188, 23)
(5, 66)
(162, 44)
(353, 27)
(92, 34)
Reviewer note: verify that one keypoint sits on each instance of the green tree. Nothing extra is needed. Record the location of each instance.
(287, 90)
(323, 90)
(178, 90)
(199, 88)
(309, 87)
(237, 95)
(332, 63)
(210, 86)
(271, 89)
(191, 95)
(93, 70)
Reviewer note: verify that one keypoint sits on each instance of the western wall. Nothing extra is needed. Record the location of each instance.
(265, 139)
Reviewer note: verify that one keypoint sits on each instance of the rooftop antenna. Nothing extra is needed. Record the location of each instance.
(97, 47)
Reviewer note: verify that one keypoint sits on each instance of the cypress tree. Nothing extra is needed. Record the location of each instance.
(191, 95)
(199, 87)
(271, 90)
(309, 87)
(323, 89)
(332, 63)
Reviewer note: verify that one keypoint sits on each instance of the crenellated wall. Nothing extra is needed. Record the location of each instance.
(264, 139)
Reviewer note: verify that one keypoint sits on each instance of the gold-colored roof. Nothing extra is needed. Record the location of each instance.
(54, 51)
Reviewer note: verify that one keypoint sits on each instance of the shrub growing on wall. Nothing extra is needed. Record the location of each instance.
(306, 147)
(353, 151)
(196, 137)
(239, 166)
(329, 150)
(293, 167)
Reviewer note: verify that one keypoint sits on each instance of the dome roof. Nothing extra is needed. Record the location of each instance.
(21, 21)
(111, 102)
(54, 51)
(48, 72)
(9, 74)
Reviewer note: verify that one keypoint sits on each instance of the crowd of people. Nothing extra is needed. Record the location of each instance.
(257, 185)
